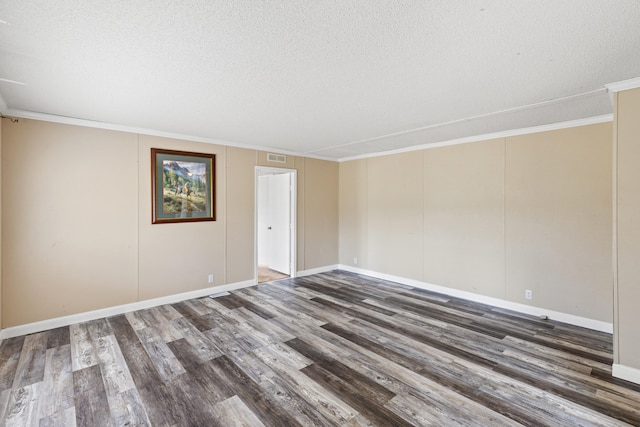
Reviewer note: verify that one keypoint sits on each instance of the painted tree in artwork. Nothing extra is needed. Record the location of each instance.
(172, 178)
(199, 185)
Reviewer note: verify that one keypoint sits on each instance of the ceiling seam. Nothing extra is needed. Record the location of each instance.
(466, 119)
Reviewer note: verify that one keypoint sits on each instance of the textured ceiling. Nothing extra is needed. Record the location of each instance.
(327, 78)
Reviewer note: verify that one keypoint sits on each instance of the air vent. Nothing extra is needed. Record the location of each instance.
(276, 158)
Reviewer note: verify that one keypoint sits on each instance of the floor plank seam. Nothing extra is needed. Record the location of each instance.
(334, 348)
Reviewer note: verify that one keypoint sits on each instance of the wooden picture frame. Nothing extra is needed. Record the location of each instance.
(182, 186)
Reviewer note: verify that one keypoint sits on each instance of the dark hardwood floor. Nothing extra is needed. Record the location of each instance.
(329, 349)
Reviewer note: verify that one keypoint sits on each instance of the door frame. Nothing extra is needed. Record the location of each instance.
(293, 205)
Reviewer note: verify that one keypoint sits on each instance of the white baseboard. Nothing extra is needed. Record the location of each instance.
(57, 322)
(626, 373)
(317, 270)
(121, 309)
(496, 302)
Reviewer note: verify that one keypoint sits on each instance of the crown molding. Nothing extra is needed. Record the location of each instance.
(562, 103)
(503, 134)
(623, 85)
(610, 88)
(144, 131)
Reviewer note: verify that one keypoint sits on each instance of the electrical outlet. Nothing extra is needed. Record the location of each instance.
(211, 278)
(528, 294)
(355, 261)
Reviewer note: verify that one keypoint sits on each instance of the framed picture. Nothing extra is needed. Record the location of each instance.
(183, 186)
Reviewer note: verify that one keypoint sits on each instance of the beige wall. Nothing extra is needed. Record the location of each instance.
(395, 215)
(240, 214)
(76, 220)
(464, 217)
(353, 213)
(627, 126)
(320, 220)
(493, 218)
(533, 206)
(558, 220)
(70, 211)
(299, 166)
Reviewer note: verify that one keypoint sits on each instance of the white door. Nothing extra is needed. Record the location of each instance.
(279, 227)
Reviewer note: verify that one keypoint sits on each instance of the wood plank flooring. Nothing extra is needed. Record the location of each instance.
(330, 349)
(265, 274)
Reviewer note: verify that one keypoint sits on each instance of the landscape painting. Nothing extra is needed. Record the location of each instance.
(183, 186)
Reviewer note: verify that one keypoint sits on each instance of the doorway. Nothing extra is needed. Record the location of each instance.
(275, 223)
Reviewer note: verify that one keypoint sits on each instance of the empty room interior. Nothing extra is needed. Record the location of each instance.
(320, 213)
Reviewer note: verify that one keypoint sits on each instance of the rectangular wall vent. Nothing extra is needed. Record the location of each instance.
(276, 158)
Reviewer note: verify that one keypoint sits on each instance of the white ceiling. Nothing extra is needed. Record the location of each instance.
(334, 79)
